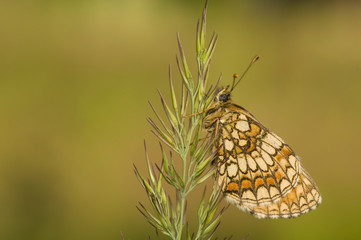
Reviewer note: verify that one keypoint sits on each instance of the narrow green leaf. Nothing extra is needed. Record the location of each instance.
(169, 144)
(203, 27)
(205, 177)
(159, 184)
(210, 215)
(185, 97)
(150, 219)
(169, 132)
(183, 75)
(198, 39)
(202, 166)
(172, 119)
(138, 175)
(170, 181)
(148, 188)
(211, 47)
(180, 180)
(152, 179)
(158, 130)
(204, 149)
(211, 227)
(201, 205)
(174, 99)
(195, 141)
(165, 160)
(184, 61)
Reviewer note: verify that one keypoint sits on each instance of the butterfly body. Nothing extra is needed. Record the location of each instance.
(256, 169)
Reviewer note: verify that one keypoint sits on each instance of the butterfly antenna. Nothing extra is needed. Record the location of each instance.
(235, 76)
(234, 84)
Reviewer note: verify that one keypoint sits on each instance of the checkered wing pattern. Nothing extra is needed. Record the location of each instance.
(303, 198)
(256, 169)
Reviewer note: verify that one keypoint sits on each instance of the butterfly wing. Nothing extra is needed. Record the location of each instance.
(302, 199)
(255, 166)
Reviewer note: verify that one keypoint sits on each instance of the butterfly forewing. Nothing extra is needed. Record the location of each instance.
(254, 165)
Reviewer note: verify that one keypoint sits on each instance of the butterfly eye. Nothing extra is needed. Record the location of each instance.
(223, 97)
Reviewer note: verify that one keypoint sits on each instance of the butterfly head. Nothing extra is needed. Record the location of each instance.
(224, 95)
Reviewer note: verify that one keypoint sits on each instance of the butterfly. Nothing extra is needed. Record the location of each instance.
(256, 170)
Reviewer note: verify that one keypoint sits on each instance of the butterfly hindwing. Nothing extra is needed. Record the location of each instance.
(303, 198)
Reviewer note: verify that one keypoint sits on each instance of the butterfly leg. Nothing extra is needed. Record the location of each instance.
(217, 127)
(197, 113)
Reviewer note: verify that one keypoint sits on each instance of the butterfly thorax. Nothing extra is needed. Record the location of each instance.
(219, 109)
(224, 111)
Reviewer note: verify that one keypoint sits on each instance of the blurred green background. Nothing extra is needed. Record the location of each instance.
(75, 77)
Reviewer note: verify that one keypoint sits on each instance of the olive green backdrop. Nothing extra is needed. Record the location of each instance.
(75, 77)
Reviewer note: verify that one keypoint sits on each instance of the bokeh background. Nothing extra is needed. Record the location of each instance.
(75, 77)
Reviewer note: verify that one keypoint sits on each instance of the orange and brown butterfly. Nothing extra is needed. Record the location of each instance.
(256, 169)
